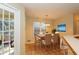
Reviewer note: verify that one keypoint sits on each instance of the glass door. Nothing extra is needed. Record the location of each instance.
(6, 32)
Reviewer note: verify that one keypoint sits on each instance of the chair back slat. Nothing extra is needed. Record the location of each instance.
(48, 39)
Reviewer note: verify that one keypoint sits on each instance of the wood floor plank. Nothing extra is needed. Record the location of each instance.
(30, 50)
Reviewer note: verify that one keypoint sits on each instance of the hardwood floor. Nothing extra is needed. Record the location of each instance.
(31, 50)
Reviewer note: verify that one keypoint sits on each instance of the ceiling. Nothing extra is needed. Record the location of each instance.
(53, 10)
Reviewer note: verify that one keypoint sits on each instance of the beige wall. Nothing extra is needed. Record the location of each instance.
(69, 24)
(49, 28)
(29, 30)
(22, 26)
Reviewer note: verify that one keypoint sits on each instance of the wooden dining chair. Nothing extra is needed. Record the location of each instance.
(47, 41)
(55, 40)
(37, 41)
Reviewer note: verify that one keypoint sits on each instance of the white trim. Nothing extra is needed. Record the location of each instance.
(2, 6)
(8, 5)
(17, 33)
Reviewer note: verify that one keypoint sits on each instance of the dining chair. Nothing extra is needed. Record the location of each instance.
(46, 43)
(37, 41)
(55, 40)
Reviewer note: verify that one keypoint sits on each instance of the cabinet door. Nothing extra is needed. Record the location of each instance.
(77, 24)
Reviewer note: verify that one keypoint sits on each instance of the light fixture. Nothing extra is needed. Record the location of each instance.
(47, 24)
(46, 21)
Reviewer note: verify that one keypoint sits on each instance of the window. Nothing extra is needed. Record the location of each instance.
(61, 28)
(6, 31)
(39, 27)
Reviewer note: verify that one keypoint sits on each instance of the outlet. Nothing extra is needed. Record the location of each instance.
(28, 40)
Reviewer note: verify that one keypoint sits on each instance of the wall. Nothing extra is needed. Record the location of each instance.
(29, 30)
(69, 24)
(76, 24)
(49, 28)
(22, 27)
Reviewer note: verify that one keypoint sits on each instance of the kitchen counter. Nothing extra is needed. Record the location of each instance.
(73, 43)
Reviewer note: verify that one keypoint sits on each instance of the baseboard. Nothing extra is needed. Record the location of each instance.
(29, 42)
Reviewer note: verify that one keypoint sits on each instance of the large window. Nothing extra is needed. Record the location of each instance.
(61, 28)
(39, 27)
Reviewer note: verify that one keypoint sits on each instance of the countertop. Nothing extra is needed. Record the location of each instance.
(73, 42)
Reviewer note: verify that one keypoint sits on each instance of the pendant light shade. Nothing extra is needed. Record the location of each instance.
(47, 24)
(47, 21)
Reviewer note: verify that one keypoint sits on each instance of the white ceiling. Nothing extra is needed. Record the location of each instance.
(53, 10)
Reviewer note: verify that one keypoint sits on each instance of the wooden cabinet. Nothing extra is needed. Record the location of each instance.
(76, 24)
